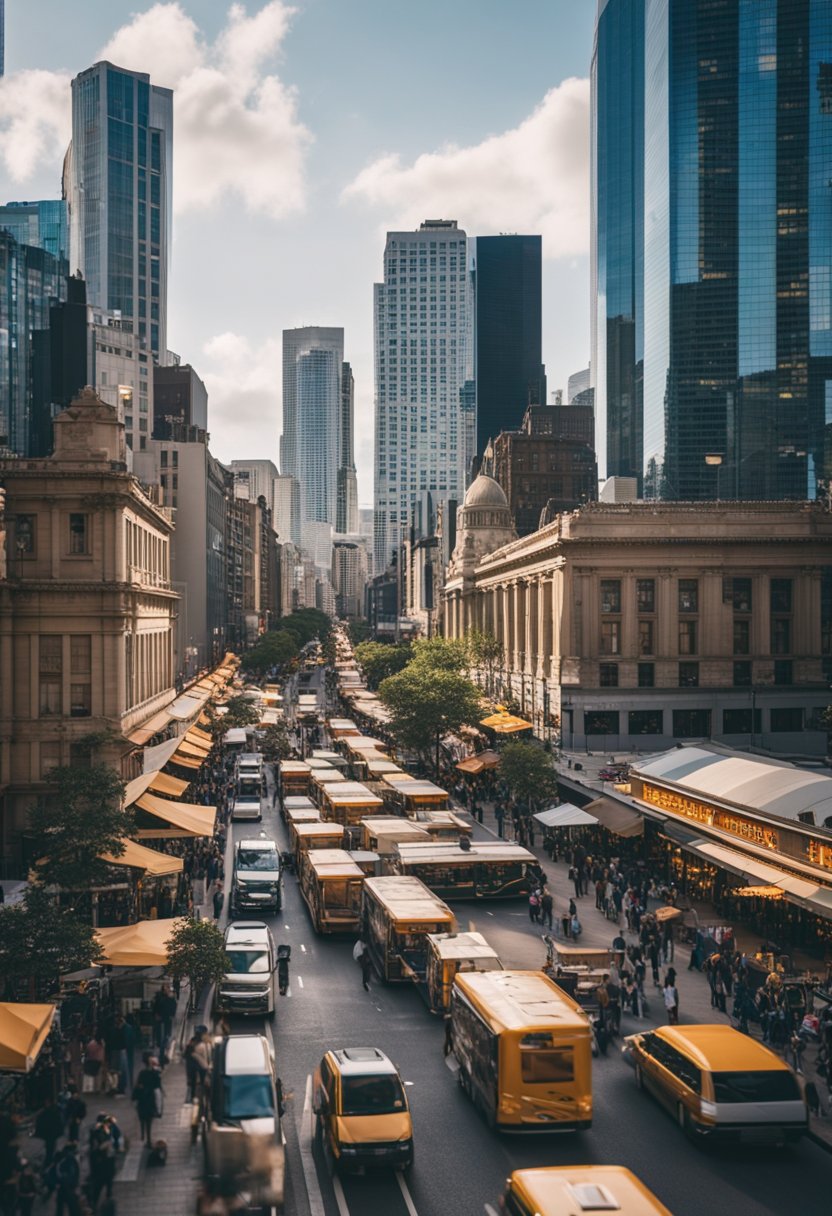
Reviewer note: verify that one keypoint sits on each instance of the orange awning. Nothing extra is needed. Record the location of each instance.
(151, 727)
(153, 863)
(186, 761)
(188, 817)
(23, 1031)
(505, 723)
(141, 945)
(159, 783)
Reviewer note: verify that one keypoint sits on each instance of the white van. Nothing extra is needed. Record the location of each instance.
(248, 985)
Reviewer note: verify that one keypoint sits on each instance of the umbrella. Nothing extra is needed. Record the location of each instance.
(23, 1032)
(668, 912)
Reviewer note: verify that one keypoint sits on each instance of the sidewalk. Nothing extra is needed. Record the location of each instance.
(694, 992)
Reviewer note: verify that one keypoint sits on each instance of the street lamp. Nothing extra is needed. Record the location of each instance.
(714, 460)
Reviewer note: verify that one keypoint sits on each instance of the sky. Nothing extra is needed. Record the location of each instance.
(302, 133)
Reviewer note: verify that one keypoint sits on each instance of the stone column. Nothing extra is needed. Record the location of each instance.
(667, 616)
(505, 593)
(629, 617)
(518, 631)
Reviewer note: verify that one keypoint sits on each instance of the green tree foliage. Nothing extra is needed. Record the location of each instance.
(308, 623)
(80, 818)
(40, 941)
(275, 649)
(528, 772)
(274, 741)
(441, 654)
(427, 702)
(486, 653)
(378, 660)
(240, 711)
(196, 952)
(358, 632)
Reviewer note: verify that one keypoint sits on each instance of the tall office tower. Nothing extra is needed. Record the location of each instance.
(346, 515)
(180, 398)
(42, 223)
(422, 360)
(2, 36)
(617, 248)
(117, 182)
(731, 135)
(508, 359)
(310, 446)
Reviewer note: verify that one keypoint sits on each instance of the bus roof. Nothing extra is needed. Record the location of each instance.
(423, 789)
(394, 823)
(380, 766)
(461, 945)
(323, 754)
(327, 776)
(719, 1048)
(319, 828)
(317, 763)
(293, 766)
(558, 1190)
(521, 1000)
(333, 863)
(443, 851)
(303, 814)
(395, 780)
(407, 898)
(298, 802)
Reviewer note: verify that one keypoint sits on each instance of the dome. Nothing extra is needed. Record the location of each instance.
(484, 491)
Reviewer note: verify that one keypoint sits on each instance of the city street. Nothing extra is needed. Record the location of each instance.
(459, 1164)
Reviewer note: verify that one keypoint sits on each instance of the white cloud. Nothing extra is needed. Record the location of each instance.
(243, 383)
(236, 125)
(532, 178)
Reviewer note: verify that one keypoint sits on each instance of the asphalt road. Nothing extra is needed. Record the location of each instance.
(459, 1164)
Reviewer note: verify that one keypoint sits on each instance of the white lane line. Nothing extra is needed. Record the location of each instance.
(305, 1138)
(300, 982)
(303, 949)
(285, 926)
(489, 913)
(406, 1195)
(340, 1197)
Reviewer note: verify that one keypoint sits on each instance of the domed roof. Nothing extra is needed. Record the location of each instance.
(484, 491)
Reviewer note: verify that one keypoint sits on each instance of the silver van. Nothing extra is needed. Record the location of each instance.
(256, 881)
(248, 985)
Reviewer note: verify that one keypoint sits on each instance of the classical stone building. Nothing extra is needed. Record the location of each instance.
(86, 609)
(635, 625)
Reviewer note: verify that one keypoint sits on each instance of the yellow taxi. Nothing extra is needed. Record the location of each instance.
(361, 1108)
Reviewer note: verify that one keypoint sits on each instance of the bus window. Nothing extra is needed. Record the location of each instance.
(772, 1086)
(548, 1065)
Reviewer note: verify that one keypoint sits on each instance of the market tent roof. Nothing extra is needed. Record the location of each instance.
(150, 728)
(159, 783)
(144, 944)
(158, 756)
(480, 762)
(186, 706)
(504, 723)
(771, 786)
(23, 1032)
(187, 761)
(188, 816)
(200, 736)
(192, 750)
(152, 862)
(564, 816)
(616, 817)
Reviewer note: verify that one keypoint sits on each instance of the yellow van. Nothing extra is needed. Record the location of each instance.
(362, 1114)
(568, 1190)
(720, 1084)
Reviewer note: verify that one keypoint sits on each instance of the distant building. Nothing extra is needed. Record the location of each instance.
(366, 528)
(91, 551)
(122, 372)
(287, 518)
(346, 512)
(577, 383)
(61, 363)
(118, 186)
(42, 224)
(179, 399)
(549, 464)
(508, 332)
(349, 575)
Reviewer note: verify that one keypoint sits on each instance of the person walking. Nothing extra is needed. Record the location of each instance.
(144, 1094)
(27, 1189)
(102, 1161)
(68, 1177)
(219, 899)
(75, 1111)
(546, 907)
(499, 815)
(671, 1001)
(164, 1011)
(49, 1126)
(534, 906)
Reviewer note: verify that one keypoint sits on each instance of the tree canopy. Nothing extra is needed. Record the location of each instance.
(527, 771)
(196, 952)
(275, 649)
(274, 741)
(441, 654)
(426, 702)
(81, 817)
(378, 660)
(40, 941)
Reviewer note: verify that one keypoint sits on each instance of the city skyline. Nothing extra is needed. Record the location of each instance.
(355, 169)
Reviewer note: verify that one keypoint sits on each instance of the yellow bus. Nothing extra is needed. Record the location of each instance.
(318, 835)
(301, 814)
(342, 728)
(482, 870)
(450, 953)
(413, 795)
(563, 1190)
(524, 1049)
(321, 778)
(397, 916)
(292, 778)
(382, 833)
(330, 883)
(348, 803)
(720, 1084)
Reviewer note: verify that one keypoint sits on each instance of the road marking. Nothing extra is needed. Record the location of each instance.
(131, 1164)
(305, 1138)
(406, 1195)
(303, 949)
(340, 1197)
(285, 926)
(300, 982)
(488, 913)
(452, 1063)
(410, 1082)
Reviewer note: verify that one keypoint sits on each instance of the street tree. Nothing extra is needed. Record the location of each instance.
(40, 941)
(485, 652)
(274, 650)
(428, 702)
(81, 817)
(240, 711)
(196, 952)
(378, 660)
(441, 654)
(274, 742)
(527, 771)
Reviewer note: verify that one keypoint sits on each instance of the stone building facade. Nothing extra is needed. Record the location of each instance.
(86, 609)
(632, 626)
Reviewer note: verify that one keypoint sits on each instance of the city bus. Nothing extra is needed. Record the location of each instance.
(382, 833)
(348, 803)
(524, 1049)
(442, 825)
(306, 836)
(320, 779)
(334, 758)
(412, 796)
(341, 728)
(330, 883)
(301, 814)
(397, 915)
(450, 953)
(482, 870)
(292, 778)
(563, 1190)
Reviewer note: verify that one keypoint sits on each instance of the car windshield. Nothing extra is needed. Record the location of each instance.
(247, 962)
(774, 1086)
(248, 1097)
(374, 1095)
(258, 859)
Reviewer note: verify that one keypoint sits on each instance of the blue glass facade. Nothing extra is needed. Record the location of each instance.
(42, 223)
(737, 224)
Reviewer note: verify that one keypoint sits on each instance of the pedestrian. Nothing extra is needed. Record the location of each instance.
(366, 964)
(534, 906)
(144, 1095)
(499, 815)
(653, 955)
(75, 1111)
(546, 907)
(27, 1188)
(164, 1011)
(67, 1177)
(219, 899)
(115, 1038)
(49, 1126)
(671, 1001)
(102, 1161)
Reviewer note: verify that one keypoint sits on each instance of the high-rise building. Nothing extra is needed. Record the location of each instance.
(122, 372)
(310, 447)
(422, 361)
(42, 223)
(508, 359)
(179, 399)
(346, 514)
(2, 37)
(62, 358)
(722, 112)
(117, 182)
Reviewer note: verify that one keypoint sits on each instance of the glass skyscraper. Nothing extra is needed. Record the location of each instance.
(42, 224)
(732, 148)
(117, 181)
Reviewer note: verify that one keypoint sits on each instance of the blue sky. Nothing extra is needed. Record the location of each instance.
(330, 122)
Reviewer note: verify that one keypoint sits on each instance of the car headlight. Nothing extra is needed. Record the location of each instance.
(708, 1108)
